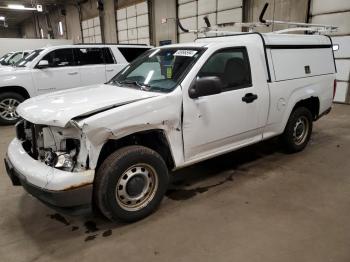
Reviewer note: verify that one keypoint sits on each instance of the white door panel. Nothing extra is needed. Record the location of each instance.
(218, 121)
(113, 69)
(55, 79)
(224, 121)
(92, 74)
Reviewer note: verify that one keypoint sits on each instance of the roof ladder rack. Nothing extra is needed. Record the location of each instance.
(298, 26)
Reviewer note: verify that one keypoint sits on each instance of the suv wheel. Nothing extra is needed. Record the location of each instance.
(298, 130)
(8, 105)
(130, 183)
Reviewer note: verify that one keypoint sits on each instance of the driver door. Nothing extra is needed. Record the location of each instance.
(218, 123)
(60, 74)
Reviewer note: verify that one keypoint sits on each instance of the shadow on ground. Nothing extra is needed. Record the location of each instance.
(185, 184)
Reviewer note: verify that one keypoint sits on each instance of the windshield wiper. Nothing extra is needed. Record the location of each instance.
(143, 86)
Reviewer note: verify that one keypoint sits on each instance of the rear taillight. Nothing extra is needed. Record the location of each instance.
(334, 87)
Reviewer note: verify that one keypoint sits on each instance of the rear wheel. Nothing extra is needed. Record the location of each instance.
(130, 183)
(298, 130)
(8, 105)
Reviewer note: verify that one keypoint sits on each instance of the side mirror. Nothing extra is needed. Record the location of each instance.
(43, 64)
(205, 86)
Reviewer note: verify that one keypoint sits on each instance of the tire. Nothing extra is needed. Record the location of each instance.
(8, 104)
(298, 130)
(136, 171)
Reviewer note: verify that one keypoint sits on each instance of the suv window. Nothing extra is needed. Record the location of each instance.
(231, 65)
(89, 56)
(131, 53)
(15, 58)
(108, 57)
(60, 58)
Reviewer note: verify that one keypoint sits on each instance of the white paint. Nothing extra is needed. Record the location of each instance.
(196, 129)
(320, 61)
(38, 174)
(40, 81)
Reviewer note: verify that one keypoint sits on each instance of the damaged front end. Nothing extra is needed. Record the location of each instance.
(61, 148)
(52, 164)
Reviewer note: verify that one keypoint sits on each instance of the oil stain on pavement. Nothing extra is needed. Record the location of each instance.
(184, 194)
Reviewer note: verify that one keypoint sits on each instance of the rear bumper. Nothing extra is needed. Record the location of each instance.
(72, 198)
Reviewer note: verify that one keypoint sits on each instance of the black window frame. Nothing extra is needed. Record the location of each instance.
(245, 60)
(76, 56)
(58, 49)
(108, 49)
(129, 59)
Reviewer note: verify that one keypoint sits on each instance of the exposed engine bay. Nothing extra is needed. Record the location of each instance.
(57, 147)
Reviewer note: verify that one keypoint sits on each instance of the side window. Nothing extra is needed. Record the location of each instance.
(131, 53)
(108, 57)
(60, 58)
(88, 56)
(15, 58)
(231, 66)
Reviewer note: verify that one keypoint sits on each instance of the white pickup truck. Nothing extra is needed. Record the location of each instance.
(113, 145)
(60, 67)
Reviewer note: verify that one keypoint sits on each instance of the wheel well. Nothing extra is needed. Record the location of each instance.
(153, 139)
(15, 89)
(312, 103)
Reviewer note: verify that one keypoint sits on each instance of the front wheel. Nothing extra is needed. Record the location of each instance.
(8, 105)
(130, 183)
(298, 130)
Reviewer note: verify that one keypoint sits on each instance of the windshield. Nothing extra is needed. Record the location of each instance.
(158, 69)
(4, 58)
(14, 58)
(29, 58)
(7, 59)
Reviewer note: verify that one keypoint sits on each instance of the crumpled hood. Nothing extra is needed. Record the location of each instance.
(57, 109)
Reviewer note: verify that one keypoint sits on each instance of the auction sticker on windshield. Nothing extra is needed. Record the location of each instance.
(189, 53)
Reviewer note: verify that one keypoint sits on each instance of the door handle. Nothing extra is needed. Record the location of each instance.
(72, 73)
(249, 98)
(110, 70)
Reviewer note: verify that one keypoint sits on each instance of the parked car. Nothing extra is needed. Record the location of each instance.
(13, 57)
(60, 67)
(113, 145)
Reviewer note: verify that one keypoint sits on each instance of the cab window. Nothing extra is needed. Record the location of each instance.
(60, 58)
(231, 66)
(89, 56)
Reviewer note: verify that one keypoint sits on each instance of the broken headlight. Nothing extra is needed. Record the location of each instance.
(64, 160)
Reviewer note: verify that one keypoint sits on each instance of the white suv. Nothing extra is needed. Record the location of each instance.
(60, 67)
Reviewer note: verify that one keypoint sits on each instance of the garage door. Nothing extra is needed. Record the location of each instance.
(191, 15)
(91, 30)
(337, 13)
(133, 24)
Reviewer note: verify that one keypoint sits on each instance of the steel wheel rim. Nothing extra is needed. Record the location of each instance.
(301, 130)
(8, 108)
(136, 202)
